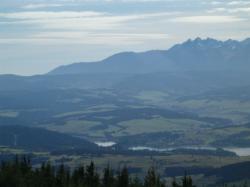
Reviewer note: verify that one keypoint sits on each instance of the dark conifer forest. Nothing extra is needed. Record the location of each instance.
(20, 173)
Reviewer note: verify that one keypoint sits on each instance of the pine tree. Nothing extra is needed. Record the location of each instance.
(123, 178)
(78, 177)
(60, 176)
(108, 177)
(245, 184)
(136, 182)
(187, 181)
(174, 183)
(92, 178)
(152, 179)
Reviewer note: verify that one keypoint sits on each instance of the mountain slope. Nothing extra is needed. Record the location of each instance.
(195, 65)
(39, 139)
(198, 54)
(62, 81)
(231, 173)
(126, 62)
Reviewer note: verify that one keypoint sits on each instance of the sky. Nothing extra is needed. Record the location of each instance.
(39, 35)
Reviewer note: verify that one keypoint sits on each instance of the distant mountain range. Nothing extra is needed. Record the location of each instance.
(198, 54)
(195, 65)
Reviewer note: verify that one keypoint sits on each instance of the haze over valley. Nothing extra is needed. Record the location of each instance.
(142, 87)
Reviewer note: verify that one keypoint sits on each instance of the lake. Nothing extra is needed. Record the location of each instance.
(237, 150)
(105, 144)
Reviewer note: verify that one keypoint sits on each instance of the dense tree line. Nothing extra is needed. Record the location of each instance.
(20, 173)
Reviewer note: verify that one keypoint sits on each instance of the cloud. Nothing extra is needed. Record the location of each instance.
(207, 19)
(144, 0)
(38, 6)
(87, 38)
(229, 3)
(233, 3)
(230, 10)
(243, 9)
(230, 7)
(81, 27)
(112, 0)
(36, 15)
(216, 3)
(79, 20)
(75, 14)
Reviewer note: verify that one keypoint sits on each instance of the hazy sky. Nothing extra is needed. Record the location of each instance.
(38, 35)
